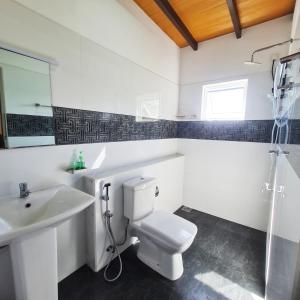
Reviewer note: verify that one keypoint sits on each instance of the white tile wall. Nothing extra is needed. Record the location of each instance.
(225, 179)
(105, 68)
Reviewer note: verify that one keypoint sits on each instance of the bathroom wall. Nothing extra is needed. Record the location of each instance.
(118, 25)
(107, 60)
(222, 59)
(89, 75)
(225, 178)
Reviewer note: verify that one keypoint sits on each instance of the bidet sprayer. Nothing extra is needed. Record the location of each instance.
(105, 191)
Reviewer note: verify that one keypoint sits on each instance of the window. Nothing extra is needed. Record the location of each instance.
(224, 101)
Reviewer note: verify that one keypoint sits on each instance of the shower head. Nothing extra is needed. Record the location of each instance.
(255, 63)
(252, 63)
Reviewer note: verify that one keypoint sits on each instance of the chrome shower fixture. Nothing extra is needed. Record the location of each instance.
(253, 62)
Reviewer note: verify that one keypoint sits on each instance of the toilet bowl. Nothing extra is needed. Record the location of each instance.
(163, 236)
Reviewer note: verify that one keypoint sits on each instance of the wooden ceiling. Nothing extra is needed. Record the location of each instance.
(206, 19)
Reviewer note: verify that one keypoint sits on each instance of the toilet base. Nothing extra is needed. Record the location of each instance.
(161, 261)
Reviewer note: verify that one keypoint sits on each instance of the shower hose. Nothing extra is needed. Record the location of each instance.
(113, 248)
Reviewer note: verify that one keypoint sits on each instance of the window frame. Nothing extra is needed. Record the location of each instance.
(223, 86)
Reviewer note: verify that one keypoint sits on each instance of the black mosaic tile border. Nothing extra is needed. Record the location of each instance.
(73, 126)
(258, 131)
(247, 131)
(29, 125)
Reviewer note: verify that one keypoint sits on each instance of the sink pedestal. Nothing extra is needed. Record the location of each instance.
(31, 235)
(34, 261)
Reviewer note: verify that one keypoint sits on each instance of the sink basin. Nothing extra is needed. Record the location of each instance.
(28, 226)
(45, 208)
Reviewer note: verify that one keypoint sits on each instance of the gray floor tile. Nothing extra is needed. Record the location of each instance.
(226, 261)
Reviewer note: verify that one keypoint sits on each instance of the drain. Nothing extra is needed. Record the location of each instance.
(27, 205)
(186, 209)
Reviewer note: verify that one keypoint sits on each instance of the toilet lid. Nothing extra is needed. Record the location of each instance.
(169, 227)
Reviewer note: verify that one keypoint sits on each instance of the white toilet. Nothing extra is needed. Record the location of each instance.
(163, 236)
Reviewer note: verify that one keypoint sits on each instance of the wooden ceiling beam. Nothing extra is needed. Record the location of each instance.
(168, 10)
(235, 18)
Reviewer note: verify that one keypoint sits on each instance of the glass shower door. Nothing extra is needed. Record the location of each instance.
(283, 258)
(283, 235)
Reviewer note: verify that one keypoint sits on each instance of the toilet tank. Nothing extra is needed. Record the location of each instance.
(139, 195)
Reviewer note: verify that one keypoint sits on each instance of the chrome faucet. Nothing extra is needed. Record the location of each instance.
(24, 191)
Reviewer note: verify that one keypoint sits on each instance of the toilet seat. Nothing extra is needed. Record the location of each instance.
(169, 230)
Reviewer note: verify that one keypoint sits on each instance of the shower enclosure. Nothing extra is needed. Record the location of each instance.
(283, 185)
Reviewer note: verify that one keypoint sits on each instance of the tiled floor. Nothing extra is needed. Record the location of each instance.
(226, 261)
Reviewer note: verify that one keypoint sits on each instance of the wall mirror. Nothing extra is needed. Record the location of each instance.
(26, 116)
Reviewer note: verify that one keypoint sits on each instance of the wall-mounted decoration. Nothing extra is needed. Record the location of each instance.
(148, 108)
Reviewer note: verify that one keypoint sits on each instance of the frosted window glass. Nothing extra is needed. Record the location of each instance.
(224, 101)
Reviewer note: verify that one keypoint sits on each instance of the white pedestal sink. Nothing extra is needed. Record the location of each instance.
(29, 228)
